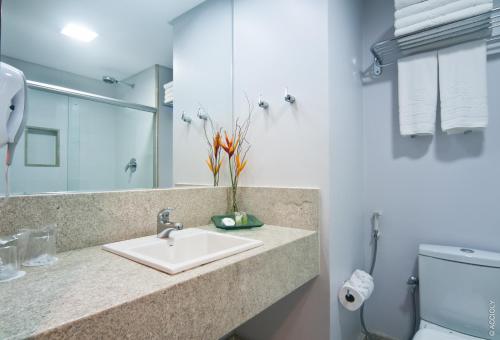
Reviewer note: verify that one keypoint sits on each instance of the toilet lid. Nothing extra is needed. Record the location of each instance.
(429, 331)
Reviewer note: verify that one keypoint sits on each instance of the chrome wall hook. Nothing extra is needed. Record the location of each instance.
(185, 118)
(288, 97)
(201, 115)
(262, 104)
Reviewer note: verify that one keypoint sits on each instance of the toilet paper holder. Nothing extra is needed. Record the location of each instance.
(349, 297)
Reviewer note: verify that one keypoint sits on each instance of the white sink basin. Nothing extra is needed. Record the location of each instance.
(185, 249)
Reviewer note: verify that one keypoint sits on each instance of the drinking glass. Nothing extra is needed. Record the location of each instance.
(41, 247)
(22, 238)
(9, 265)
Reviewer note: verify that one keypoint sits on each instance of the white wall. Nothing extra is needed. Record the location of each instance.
(144, 88)
(280, 44)
(442, 190)
(202, 76)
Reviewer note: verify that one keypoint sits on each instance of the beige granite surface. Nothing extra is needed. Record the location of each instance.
(93, 294)
(287, 207)
(90, 219)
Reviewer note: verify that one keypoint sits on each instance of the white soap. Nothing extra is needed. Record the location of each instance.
(228, 222)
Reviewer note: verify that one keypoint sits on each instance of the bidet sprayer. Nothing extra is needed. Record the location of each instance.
(376, 224)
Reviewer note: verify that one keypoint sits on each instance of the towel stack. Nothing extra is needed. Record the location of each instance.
(169, 93)
(418, 15)
(460, 71)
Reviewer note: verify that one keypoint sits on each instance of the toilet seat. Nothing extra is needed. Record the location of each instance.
(429, 331)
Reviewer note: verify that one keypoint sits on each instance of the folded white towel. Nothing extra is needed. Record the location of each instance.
(410, 12)
(169, 92)
(418, 94)
(463, 87)
(168, 100)
(398, 4)
(451, 11)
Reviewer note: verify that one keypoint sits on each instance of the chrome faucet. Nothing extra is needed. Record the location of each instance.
(164, 227)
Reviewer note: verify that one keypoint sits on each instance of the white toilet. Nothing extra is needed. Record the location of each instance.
(459, 293)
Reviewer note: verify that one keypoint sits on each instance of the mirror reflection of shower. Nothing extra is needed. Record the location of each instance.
(131, 168)
(113, 81)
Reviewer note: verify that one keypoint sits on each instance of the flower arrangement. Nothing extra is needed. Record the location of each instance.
(236, 147)
(214, 160)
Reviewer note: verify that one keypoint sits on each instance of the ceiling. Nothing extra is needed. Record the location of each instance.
(133, 35)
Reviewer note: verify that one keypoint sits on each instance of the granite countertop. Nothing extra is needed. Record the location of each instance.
(93, 293)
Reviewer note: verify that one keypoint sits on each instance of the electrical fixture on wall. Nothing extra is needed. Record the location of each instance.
(262, 104)
(79, 32)
(288, 97)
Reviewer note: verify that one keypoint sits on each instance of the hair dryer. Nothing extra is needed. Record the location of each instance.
(12, 108)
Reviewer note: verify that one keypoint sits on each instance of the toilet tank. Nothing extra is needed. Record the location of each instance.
(460, 289)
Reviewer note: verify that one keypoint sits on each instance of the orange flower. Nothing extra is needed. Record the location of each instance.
(229, 147)
(217, 143)
(214, 168)
(239, 165)
(209, 163)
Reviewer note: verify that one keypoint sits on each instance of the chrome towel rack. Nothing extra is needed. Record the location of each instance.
(483, 26)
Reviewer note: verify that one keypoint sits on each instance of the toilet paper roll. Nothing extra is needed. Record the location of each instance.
(355, 291)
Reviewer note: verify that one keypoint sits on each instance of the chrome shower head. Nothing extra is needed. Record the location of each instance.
(109, 80)
(114, 81)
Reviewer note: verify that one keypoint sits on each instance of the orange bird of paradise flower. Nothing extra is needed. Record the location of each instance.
(239, 165)
(214, 167)
(213, 161)
(230, 147)
(217, 143)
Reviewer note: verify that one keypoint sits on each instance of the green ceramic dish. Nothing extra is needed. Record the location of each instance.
(252, 222)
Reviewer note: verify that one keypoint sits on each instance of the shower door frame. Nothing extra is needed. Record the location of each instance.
(35, 85)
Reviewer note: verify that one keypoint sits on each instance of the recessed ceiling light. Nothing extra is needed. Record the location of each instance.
(79, 32)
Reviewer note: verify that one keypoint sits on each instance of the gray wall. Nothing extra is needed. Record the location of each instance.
(442, 190)
(346, 139)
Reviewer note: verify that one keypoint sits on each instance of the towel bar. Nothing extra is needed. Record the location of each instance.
(482, 26)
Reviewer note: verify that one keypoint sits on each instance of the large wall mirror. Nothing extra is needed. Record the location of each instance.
(108, 85)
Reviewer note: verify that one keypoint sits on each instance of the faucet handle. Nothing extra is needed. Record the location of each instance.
(164, 215)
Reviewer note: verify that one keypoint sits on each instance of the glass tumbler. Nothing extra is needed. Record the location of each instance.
(41, 248)
(22, 238)
(9, 265)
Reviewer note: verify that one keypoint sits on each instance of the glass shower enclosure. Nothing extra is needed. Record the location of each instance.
(76, 141)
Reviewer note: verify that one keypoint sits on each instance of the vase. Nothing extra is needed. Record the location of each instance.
(234, 199)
